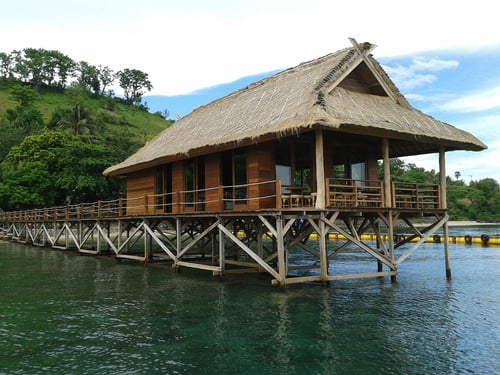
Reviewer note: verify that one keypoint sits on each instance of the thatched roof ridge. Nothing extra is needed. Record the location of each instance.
(293, 101)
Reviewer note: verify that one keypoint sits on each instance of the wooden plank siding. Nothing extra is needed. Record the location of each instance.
(177, 186)
(139, 185)
(260, 168)
(212, 179)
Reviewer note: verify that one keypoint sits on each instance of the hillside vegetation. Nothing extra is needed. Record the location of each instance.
(55, 144)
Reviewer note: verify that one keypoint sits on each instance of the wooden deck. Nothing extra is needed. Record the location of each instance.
(230, 241)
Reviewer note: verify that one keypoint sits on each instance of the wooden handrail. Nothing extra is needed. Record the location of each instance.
(340, 193)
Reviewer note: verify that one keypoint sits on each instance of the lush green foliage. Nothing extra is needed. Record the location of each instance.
(480, 200)
(39, 68)
(53, 168)
(54, 145)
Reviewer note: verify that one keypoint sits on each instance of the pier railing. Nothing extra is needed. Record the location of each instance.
(340, 193)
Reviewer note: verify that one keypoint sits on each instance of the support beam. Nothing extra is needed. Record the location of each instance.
(250, 252)
(430, 230)
(320, 170)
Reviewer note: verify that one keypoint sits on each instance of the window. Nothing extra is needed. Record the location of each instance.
(358, 172)
(234, 178)
(240, 176)
(159, 187)
(194, 183)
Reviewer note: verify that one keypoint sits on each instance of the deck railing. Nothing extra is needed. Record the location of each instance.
(346, 192)
(340, 193)
(415, 196)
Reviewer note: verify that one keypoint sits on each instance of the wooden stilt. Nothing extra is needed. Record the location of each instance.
(222, 251)
(323, 257)
(188, 238)
(281, 251)
(444, 205)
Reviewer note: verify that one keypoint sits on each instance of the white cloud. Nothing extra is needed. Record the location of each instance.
(485, 127)
(187, 45)
(419, 72)
(486, 99)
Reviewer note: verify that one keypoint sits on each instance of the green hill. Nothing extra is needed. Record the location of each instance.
(114, 113)
(55, 144)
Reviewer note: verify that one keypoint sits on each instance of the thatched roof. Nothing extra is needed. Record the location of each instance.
(346, 91)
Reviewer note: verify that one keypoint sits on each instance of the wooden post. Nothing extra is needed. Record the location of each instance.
(119, 234)
(147, 243)
(387, 173)
(178, 238)
(222, 251)
(221, 198)
(444, 205)
(280, 243)
(278, 194)
(390, 235)
(260, 242)
(320, 170)
(323, 257)
(380, 266)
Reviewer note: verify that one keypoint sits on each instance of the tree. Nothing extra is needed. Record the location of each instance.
(479, 201)
(88, 77)
(24, 96)
(20, 67)
(25, 115)
(95, 78)
(134, 83)
(64, 66)
(6, 65)
(77, 119)
(106, 77)
(41, 67)
(49, 167)
(409, 172)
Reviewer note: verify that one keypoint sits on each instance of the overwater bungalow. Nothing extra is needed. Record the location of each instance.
(292, 157)
(310, 136)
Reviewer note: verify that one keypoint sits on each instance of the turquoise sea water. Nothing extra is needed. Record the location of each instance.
(61, 313)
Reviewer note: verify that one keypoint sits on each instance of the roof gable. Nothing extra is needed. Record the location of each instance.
(362, 80)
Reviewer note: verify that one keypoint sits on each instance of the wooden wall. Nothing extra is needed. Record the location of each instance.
(260, 168)
(260, 163)
(213, 178)
(177, 186)
(139, 185)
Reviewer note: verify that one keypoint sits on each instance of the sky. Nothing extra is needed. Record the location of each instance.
(444, 56)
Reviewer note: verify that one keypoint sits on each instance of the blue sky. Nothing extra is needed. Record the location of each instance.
(457, 87)
(443, 55)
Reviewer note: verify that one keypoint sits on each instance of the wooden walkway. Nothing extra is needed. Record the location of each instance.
(290, 244)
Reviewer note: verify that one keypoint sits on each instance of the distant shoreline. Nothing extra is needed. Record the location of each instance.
(465, 223)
